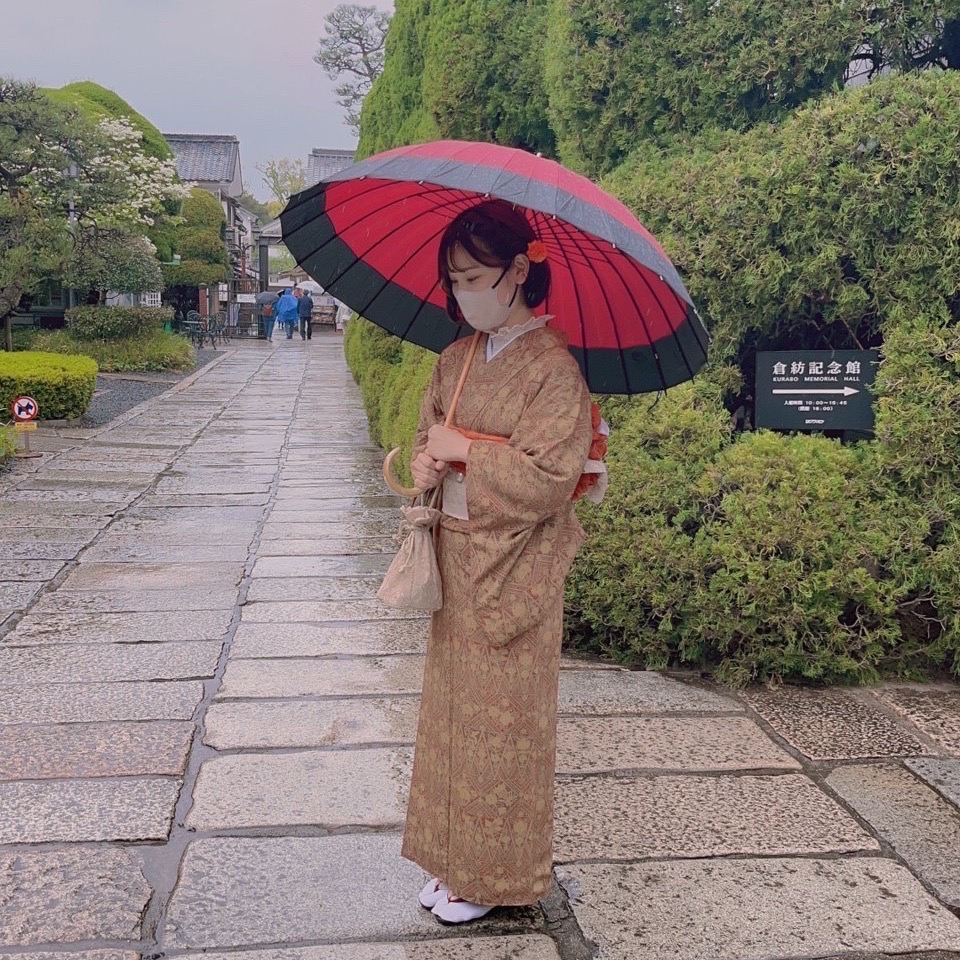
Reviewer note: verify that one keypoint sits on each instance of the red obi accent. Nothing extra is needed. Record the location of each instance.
(598, 450)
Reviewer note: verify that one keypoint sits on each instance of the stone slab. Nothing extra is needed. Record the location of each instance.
(934, 710)
(755, 909)
(76, 955)
(24, 570)
(329, 547)
(51, 531)
(237, 891)
(93, 662)
(12, 551)
(52, 751)
(230, 524)
(942, 775)
(130, 627)
(137, 601)
(603, 692)
(834, 724)
(78, 811)
(318, 611)
(16, 596)
(314, 488)
(918, 823)
(70, 895)
(275, 529)
(207, 499)
(152, 576)
(266, 679)
(533, 947)
(200, 483)
(330, 789)
(279, 589)
(93, 702)
(115, 550)
(343, 519)
(600, 744)
(298, 503)
(99, 494)
(278, 640)
(67, 514)
(360, 566)
(693, 816)
(319, 723)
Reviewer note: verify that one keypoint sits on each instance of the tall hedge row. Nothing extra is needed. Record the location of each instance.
(761, 555)
(463, 69)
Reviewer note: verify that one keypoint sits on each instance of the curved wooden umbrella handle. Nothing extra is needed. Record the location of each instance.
(392, 482)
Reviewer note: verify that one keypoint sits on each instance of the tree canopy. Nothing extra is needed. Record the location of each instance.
(466, 70)
(353, 47)
(203, 256)
(283, 177)
(69, 187)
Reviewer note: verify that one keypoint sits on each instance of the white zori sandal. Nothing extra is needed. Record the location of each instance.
(432, 893)
(451, 909)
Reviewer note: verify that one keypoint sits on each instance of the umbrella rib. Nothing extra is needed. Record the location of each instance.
(358, 257)
(552, 224)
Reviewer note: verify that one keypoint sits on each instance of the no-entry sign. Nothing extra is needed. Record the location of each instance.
(24, 409)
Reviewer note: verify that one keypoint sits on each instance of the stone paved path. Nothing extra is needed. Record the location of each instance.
(206, 722)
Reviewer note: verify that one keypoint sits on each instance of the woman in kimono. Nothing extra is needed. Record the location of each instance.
(480, 815)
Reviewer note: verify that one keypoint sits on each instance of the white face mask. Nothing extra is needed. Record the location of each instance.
(482, 309)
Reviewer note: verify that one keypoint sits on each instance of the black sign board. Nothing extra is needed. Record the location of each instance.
(815, 389)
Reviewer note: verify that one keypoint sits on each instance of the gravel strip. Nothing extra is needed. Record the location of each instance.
(116, 393)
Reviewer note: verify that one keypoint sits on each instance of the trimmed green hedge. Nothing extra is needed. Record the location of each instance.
(8, 443)
(116, 323)
(392, 376)
(62, 386)
(153, 352)
(762, 556)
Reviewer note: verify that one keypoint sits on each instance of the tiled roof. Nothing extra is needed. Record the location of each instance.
(324, 163)
(205, 157)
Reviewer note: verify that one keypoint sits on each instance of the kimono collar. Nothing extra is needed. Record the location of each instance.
(498, 341)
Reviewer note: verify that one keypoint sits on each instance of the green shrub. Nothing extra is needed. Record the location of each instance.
(62, 386)
(824, 231)
(8, 443)
(116, 323)
(157, 351)
(771, 557)
(392, 376)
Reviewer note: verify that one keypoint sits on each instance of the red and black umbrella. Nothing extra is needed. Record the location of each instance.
(370, 235)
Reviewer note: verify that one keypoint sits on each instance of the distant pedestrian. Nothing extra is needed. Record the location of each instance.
(305, 312)
(266, 308)
(286, 311)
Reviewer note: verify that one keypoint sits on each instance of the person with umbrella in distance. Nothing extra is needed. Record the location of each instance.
(565, 292)
(286, 311)
(507, 539)
(266, 309)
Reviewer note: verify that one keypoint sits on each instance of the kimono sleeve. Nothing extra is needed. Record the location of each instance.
(531, 478)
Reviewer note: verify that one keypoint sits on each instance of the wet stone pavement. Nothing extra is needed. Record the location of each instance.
(206, 727)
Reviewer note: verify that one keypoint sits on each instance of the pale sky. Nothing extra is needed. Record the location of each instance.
(241, 67)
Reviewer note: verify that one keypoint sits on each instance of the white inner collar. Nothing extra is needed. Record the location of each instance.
(500, 339)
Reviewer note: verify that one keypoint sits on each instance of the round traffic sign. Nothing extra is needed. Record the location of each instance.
(24, 408)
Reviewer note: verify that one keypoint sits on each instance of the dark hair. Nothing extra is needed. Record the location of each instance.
(493, 232)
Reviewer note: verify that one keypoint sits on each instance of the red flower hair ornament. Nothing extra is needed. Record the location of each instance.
(536, 251)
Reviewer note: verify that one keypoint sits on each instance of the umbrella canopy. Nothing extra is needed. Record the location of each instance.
(311, 286)
(267, 296)
(371, 232)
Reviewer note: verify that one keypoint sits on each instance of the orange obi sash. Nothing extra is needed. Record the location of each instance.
(598, 450)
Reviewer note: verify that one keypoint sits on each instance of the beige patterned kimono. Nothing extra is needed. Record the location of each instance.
(480, 815)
